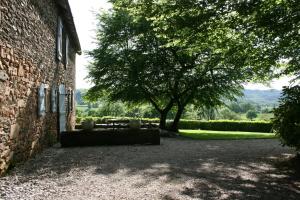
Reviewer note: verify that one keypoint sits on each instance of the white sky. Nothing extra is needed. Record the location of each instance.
(85, 21)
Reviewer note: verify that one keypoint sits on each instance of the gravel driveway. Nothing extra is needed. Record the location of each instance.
(177, 169)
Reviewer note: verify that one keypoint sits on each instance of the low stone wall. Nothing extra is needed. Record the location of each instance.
(124, 136)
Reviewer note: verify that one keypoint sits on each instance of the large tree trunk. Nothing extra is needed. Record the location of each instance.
(163, 115)
(163, 112)
(162, 120)
(178, 115)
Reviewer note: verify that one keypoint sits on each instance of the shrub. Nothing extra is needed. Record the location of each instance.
(287, 117)
(251, 114)
(228, 114)
(78, 120)
(227, 125)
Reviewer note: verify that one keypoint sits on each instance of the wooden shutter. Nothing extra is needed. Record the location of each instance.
(53, 99)
(67, 51)
(59, 39)
(41, 101)
(62, 108)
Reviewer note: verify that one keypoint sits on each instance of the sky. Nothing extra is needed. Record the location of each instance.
(85, 21)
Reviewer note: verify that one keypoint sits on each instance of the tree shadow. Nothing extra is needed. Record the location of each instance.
(245, 169)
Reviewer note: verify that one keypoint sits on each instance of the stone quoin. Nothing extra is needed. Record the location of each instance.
(38, 46)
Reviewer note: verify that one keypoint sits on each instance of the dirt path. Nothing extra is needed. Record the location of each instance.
(177, 169)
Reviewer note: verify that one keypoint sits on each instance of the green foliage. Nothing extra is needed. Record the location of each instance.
(264, 116)
(92, 112)
(276, 24)
(191, 112)
(79, 96)
(251, 114)
(245, 107)
(287, 117)
(111, 109)
(79, 112)
(88, 119)
(235, 107)
(228, 114)
(151, 52)
(100, 120)
(224, 135)
(176, 53)
(229, 125)
(78, 120)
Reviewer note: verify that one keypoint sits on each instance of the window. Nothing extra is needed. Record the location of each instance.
(63, 43)
(59, 42)
(42, 101)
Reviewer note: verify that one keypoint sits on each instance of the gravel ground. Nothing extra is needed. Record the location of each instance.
(177, 169)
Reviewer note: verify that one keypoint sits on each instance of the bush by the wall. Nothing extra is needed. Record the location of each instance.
(227, 125)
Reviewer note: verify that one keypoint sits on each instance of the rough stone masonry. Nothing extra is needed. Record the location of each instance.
(28, 59)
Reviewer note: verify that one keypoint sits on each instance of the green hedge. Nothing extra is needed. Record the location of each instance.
(100, 120)
(217, 125)
(227, 125)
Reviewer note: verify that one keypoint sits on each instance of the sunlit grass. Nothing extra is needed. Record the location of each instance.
(224, 135)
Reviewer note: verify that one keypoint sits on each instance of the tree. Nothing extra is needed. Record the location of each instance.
(275, 24)
(207, 112)
(129, 65)
(245, 107)
(235, 107)
(287, 117)
(228, 114)
(251, 114)
(115, 109)
(207, 29)
(79, 113)
(151, 52)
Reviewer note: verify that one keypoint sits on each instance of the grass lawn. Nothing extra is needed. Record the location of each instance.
(224, 135)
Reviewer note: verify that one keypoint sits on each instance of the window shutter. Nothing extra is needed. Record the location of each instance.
(59, 38)
(62, 108)
(41, 101)
(53, 99)
(72, 101)
(67, 51)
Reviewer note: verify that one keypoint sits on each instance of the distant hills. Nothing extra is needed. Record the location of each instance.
(261, 97)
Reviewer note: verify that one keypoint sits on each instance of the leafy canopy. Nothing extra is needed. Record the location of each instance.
(176, 53)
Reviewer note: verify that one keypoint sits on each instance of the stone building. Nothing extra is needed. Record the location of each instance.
(38, 46)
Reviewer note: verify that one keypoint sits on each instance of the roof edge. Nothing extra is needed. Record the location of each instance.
(68, 17)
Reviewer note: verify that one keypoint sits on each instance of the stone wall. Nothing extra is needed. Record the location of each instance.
(27, 60)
